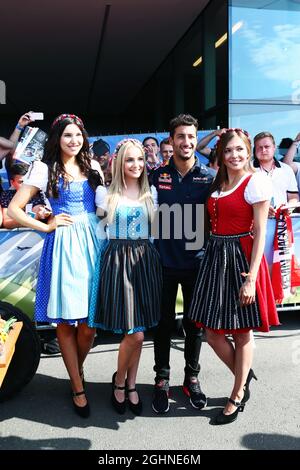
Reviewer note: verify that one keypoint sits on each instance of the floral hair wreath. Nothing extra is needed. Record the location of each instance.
(125, 141)
(73, 117)
(233, 129)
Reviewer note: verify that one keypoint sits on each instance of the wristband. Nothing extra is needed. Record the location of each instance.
(20, 128)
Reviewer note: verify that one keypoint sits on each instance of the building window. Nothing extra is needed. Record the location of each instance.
(264, 46)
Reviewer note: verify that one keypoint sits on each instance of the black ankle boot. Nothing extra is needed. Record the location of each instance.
(250, 376)
(226, 419)
(120, 407)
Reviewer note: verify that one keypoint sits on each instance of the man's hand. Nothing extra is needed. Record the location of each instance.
(272, 212)
(150, 154)
(297, 138)
(25, 120)
(219, 132)
(41, 212)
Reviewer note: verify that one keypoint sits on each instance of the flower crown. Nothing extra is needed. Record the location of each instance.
(232, 129)
(125, 141)
(72, 117)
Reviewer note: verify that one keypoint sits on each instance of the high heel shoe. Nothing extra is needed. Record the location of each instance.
(82, 411)
(226, 419)
(119, 406)
(250, 376)
(136, 408)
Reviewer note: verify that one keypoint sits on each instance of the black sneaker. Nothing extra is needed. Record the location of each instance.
(160, 403)
(191, 387)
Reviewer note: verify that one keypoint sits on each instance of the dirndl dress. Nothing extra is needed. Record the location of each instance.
(215, 303)
(69, 253)
(126, 292)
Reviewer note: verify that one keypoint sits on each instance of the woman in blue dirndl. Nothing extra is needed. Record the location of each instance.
(69, 178)
(126, 293)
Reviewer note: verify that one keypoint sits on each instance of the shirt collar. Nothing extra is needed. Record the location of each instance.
(256, 163)
(198, 166)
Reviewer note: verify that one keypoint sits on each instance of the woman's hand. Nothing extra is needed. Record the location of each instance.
(247, 292)
(58, 221)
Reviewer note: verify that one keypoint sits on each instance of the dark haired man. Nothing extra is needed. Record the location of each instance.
(185, 182)
(37, 204)
(101, 153)
(151, 146)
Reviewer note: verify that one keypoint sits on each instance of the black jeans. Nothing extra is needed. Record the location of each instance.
(162, 336)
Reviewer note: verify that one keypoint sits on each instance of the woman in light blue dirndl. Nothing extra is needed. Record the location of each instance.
(127, 287)
(69, 177)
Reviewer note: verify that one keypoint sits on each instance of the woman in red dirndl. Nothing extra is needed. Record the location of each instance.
(233, 293)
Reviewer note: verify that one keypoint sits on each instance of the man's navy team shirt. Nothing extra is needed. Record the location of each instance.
(192, 189)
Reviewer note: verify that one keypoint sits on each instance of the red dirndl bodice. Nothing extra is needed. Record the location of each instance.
(230, 215)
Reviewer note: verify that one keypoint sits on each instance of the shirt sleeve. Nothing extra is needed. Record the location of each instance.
(96, 166)
(37, 175)
(155, 197)
(258, 189)
(292, 182)
(100, 197)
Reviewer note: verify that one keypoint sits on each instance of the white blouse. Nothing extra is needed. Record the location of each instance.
(37, 174)
(258, 189)
(101, 199)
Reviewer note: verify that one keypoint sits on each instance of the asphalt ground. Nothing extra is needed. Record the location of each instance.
(42, 417)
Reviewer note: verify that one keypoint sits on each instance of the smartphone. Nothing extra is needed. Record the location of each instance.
(37, 116)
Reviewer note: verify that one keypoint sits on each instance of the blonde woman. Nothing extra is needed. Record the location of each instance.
(127, 286)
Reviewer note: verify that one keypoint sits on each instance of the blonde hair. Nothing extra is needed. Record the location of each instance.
(118, 183)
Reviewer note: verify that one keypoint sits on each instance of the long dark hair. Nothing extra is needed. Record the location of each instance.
(222, 176)
(52, 156)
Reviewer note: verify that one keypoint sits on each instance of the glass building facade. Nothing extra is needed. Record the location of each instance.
(264, 72)
(192, 79)
(237, 66)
